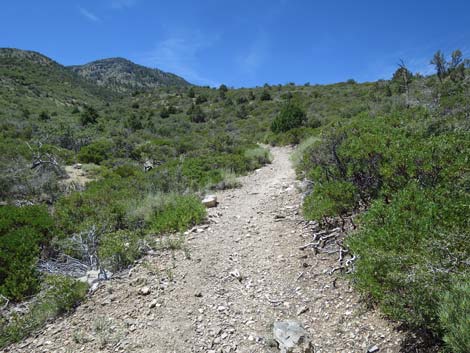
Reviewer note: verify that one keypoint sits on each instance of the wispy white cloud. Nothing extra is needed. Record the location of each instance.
(122, 4)
(88, 15)
(179, 54)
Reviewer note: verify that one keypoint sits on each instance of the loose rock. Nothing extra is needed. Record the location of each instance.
(144, 291)
(292, 337)
(210, 201)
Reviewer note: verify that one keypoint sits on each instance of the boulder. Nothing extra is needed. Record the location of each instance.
(210, 201)
(292, 337)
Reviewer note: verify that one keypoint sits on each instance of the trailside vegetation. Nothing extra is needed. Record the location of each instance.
(403, 174)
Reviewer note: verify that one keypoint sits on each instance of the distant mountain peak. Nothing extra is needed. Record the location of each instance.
(122, 75)
(27, 55)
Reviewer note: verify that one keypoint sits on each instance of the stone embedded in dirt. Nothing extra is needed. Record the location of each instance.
(144, 291)
(292, 337)
(373, 349)
(210, 201)
(302, 310)
(93, 276)
(153, 304)
(236, 274)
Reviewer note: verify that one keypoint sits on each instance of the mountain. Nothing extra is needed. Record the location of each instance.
(123, 75)
(34, 82)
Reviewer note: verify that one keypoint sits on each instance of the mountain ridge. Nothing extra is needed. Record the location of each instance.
(117, 74)
(121, 74)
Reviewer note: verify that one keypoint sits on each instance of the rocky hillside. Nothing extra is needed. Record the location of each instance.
(123, 75)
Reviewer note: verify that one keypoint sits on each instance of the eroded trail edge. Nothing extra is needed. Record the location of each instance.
(238, 275)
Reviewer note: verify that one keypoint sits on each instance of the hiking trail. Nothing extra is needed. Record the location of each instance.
(239, 273)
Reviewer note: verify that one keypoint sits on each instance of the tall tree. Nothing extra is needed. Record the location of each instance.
(440, 63)
(403, 77)
(457, 66)
(222, 91)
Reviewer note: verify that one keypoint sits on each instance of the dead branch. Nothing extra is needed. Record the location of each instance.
(330, 241)
(41, 159)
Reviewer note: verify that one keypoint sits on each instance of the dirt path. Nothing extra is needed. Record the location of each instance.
(197, 305)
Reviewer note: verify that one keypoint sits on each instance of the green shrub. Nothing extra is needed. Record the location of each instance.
(178, 213)
(257, 157)
(299, 155)
(330, 199)
(103, 204)
(196, 114)
(95, 152)
(409, 250)
(229, 181)
(119, 249)
(89, 116)
(126, 170)
(44, 116)
(291, 116)
(23, 232)
(265, 96)
(454, 316)
(412, 242)
(61, 294)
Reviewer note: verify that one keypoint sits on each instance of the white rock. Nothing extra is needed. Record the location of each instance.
(210, 201)
(292, 337)
(144, 291)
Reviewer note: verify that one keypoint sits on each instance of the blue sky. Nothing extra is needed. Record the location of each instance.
(243, 43)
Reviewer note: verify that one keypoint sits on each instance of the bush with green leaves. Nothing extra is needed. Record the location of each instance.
(89, 115)
(196, 114)
(265, 95)
(24, 231)
(177, 214)
(60, 294)
(120, 249)
(454, 315)
(291, 116)
(257, 157)
(410, 250)
(412, 240)
(96, 152)
(330, 199)
(103, 204)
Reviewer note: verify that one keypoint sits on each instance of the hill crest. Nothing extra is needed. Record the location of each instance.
(122, 75)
